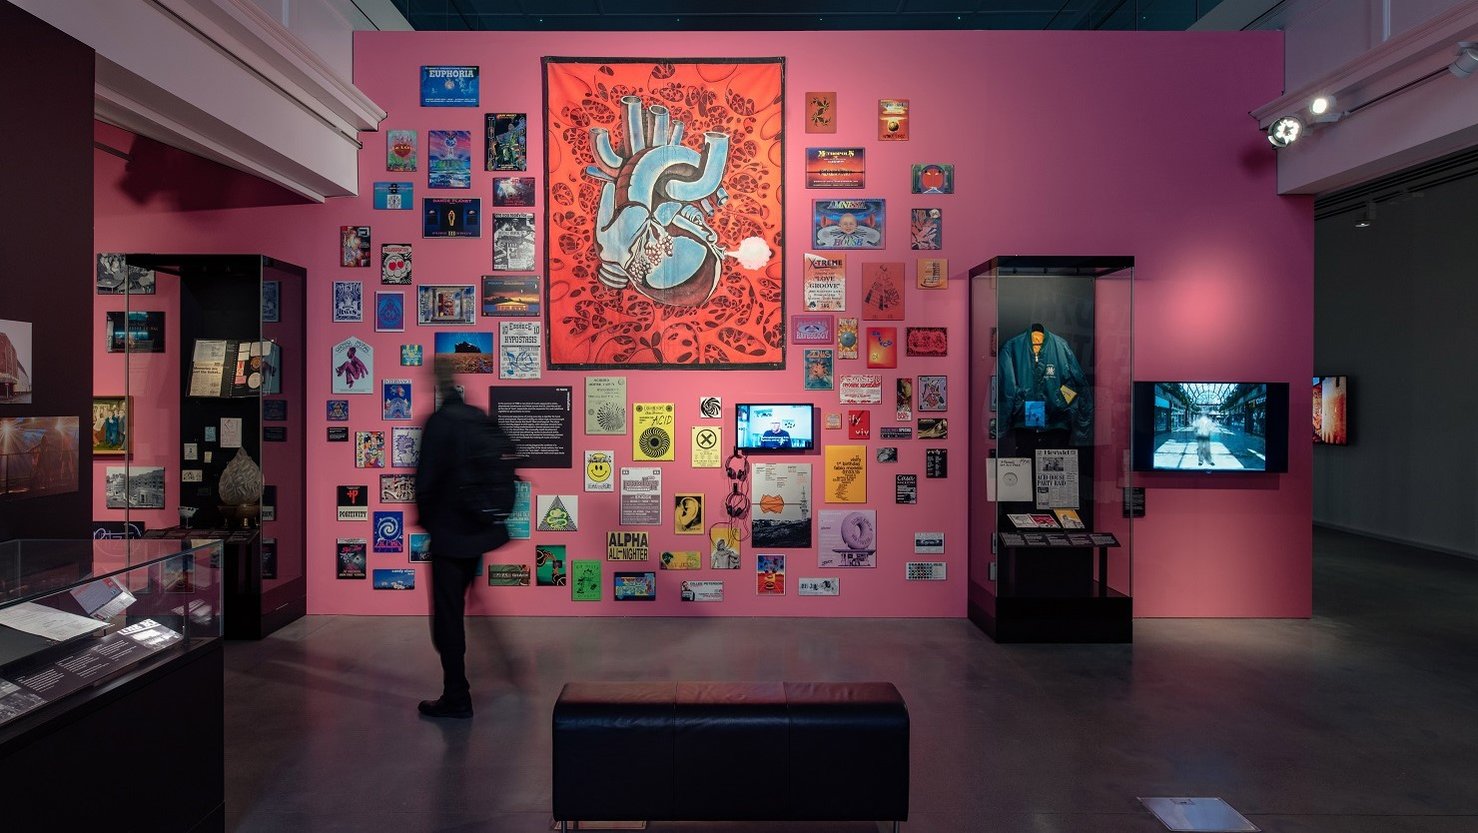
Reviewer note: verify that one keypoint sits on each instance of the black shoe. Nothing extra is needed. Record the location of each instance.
(441, 707)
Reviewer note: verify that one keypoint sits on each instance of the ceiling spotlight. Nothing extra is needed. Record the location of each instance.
(1368, 218)
(1467, 59)
(1320, 105)
(1285, 131)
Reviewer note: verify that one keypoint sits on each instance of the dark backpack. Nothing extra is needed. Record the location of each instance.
(488, 481)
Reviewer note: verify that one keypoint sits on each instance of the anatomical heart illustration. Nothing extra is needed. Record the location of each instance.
(665, 213)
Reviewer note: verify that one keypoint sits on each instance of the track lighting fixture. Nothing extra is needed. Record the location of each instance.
(1368, 218)
(1467, 59)
(1285, 131)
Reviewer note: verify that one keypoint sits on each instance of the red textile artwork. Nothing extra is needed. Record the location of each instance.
(664, 213)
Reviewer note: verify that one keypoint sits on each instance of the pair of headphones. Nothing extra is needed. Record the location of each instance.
(737, 466)
(736, 505)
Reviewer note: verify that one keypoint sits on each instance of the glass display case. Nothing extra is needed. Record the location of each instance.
(1051, 358)
(213, 392)
(76, 614)
(110, 651)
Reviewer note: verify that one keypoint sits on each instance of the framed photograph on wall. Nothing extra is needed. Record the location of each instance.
(136, 487)
(116, 277)
(139, 331)
(16, 362)
(109, 426)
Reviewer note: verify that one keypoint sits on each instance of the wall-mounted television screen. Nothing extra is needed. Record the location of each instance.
(775, 428)
(1330, 395)
(1211, 426)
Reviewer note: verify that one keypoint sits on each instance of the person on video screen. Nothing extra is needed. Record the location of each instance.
(1204, 429)
(775, 436)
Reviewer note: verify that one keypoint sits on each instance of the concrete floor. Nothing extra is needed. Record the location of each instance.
(1361, 720)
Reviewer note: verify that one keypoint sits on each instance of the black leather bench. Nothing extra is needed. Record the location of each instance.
(730, 752)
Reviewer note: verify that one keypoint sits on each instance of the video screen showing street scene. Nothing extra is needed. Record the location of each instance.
(1211, 426)
(1330, 395)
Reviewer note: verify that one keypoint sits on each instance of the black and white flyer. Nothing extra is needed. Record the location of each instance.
(641, 496)
(1057, 478)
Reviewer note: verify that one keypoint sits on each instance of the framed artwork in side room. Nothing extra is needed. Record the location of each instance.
(110, 426)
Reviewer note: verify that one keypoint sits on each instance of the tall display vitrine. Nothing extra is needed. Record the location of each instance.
(219, 422)
(1051, 358)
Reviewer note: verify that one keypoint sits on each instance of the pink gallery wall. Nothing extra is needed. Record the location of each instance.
(1064, 143)
(151, 382)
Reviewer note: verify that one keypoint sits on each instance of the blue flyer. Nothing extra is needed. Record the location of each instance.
(518, 520)
(394, 196)
(395, 578)
(449, 87)
(389, 532)
(449, 155)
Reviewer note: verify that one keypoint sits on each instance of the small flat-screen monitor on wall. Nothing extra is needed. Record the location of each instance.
(1331, 393)
(775, 428)
(1212, 427)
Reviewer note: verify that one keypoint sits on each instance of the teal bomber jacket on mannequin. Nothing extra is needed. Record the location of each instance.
(1026, 377)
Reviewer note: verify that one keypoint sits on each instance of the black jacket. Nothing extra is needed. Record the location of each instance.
(444, 448)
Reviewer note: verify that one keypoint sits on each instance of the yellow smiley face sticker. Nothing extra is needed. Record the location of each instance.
(598, 467)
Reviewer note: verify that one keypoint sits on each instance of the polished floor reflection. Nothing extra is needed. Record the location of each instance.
(1361, 720)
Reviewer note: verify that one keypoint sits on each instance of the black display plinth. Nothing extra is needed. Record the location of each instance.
(1099, 618)
(1054, 593)
(160, 730)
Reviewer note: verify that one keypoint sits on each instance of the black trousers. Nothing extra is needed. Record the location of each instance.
(450, 578)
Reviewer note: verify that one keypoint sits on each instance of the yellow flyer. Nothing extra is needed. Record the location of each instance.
(651, 436)
(846, 474)
(708, 447)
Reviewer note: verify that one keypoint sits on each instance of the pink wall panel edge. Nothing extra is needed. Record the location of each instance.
(1050, 159)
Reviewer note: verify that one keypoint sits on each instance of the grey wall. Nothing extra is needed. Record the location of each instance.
(1396, 309)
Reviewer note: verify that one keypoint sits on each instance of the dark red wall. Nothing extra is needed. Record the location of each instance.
(46, 264)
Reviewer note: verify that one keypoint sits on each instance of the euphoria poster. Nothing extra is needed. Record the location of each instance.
(449, 86)
(664, 213)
